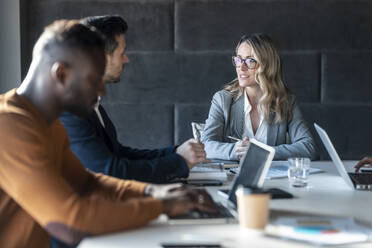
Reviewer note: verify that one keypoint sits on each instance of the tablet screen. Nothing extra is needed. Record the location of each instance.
(251, 169)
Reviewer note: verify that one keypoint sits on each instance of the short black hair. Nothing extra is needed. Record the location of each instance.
(110, 26)
(70, 34)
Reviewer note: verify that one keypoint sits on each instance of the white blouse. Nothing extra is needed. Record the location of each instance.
(261, 133)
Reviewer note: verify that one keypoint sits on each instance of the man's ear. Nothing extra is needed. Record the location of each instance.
(60, 73)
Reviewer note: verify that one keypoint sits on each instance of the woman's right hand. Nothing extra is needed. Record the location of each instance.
(241, 147)
(365, 162)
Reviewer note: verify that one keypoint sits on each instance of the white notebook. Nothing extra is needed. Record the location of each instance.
(208, 171)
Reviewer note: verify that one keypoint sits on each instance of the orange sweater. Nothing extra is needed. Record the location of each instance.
(45, 189)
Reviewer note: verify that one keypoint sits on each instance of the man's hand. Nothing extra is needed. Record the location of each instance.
(241, 147)
(182, 201)
(192, 152)
(365, 162)
(163, 191)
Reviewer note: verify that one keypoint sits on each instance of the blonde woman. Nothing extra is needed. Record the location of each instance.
(257, 104)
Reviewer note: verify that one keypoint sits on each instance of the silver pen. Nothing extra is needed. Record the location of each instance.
(233, 138)
(195, 131)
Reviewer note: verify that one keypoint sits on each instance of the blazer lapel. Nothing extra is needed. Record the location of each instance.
(272, 132)
(106, 132)
(237, 117)
(95, 120)
(109, 127)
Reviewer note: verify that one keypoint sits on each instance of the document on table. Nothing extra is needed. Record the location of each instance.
(319, 230)
(278, 169)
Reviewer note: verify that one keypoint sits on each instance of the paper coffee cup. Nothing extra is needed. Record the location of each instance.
(253, 208)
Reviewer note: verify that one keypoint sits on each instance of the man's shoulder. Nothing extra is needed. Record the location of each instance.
(14, 120)
(69, 115)
(77, 126)
(68, 118)
(13, 113)
(20, 127)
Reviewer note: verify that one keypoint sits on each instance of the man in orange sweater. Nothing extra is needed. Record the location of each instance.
(44, 188)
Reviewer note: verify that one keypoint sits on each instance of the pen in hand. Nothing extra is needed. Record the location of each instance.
(196, 131)
(233, 138)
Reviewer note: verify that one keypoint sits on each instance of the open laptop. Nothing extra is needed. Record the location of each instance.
(359, 181)
(254, 167)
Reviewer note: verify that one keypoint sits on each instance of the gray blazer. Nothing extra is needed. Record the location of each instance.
(226, 117)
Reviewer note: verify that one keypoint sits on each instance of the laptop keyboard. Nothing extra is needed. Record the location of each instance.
(361, 179)
(223, 212)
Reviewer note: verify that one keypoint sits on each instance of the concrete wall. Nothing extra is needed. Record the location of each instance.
(180, 53)
(10, 45)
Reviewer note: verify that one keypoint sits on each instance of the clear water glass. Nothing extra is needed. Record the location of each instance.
(298, 171)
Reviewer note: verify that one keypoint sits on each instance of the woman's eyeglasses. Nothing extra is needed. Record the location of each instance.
(249, 62)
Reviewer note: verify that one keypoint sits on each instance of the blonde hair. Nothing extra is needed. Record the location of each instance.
(276, 98)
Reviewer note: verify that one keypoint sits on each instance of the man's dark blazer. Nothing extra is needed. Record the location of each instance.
(99, 150)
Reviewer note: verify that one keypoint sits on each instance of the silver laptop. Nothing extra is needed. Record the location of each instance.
(254, 167)
(359, 181)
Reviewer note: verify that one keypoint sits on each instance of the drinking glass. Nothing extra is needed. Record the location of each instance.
(298, 171)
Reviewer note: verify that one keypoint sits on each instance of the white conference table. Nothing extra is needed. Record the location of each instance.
(326, 194)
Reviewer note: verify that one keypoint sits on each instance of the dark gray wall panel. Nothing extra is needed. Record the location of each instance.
(347, 76)
(184, 115)
(316, 113)
(143, 125)
(172, 78)
(328, 24)
(194, 77)
(346, 126)
(301, 71)
(150, 22)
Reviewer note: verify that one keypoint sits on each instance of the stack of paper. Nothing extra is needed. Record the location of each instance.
(227, 164)
(319, 230)
(208, 171)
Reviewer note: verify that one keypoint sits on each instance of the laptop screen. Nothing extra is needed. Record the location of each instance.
(251, 169)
